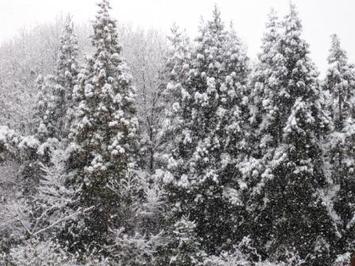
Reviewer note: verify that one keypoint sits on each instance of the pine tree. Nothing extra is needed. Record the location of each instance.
(43, 131)
(211, 107)
(43, 126)
(104, 131)
(266, 83)
(340, 84)
(287, 208)
(265, 79)
(175, 75)
(54, 100)
(66, 79)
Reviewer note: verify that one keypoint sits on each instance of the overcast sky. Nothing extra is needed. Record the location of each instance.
(320, 17)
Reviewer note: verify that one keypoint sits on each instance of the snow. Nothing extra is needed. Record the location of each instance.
(220, 145)
(327, 196)
(89, 91)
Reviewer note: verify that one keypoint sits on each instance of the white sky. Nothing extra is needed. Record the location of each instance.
(320, 17)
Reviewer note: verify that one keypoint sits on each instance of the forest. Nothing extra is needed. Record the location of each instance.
(123, 146)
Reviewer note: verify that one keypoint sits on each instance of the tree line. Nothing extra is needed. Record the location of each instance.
(211, 160)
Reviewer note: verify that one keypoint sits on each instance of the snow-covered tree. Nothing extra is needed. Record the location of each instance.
(30, 53)
(175, 74)
(45, 120)
(184, 248)
(43, 127)
(285, 181)
(59, 97)
(211, 114)
(140, 238)
(266, 82)
(54, 96)
(104, 133)
(66, 79)
(232, 168)
(51, 108)
(52, 203)
(41, 215)
(340, 86)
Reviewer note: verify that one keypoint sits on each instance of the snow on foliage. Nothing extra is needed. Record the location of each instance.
(210, 161)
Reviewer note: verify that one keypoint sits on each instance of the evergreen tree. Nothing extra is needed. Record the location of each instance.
(43, 126)
(54, 100)
(211, 107)
(66, 79)
(340, 84)
(175, 76)
(43, 131)
(184, 247)
(266, 82)
(104, 131)
(42, 179)
(285, 181)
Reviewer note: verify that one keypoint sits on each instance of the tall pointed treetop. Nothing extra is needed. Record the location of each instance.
(67, 65)
(337, 54)
(105, 30)
(216, 21)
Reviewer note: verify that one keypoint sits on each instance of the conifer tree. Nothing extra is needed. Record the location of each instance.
(175, 75)
(184, 247)
(340, 84)
(287, 208)
(43, 131)
(43, 127)
(58, 88)
(66, 78)
(204, 179)
(266, 82)
(54, 100)
(40, 165)
(104, 131)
